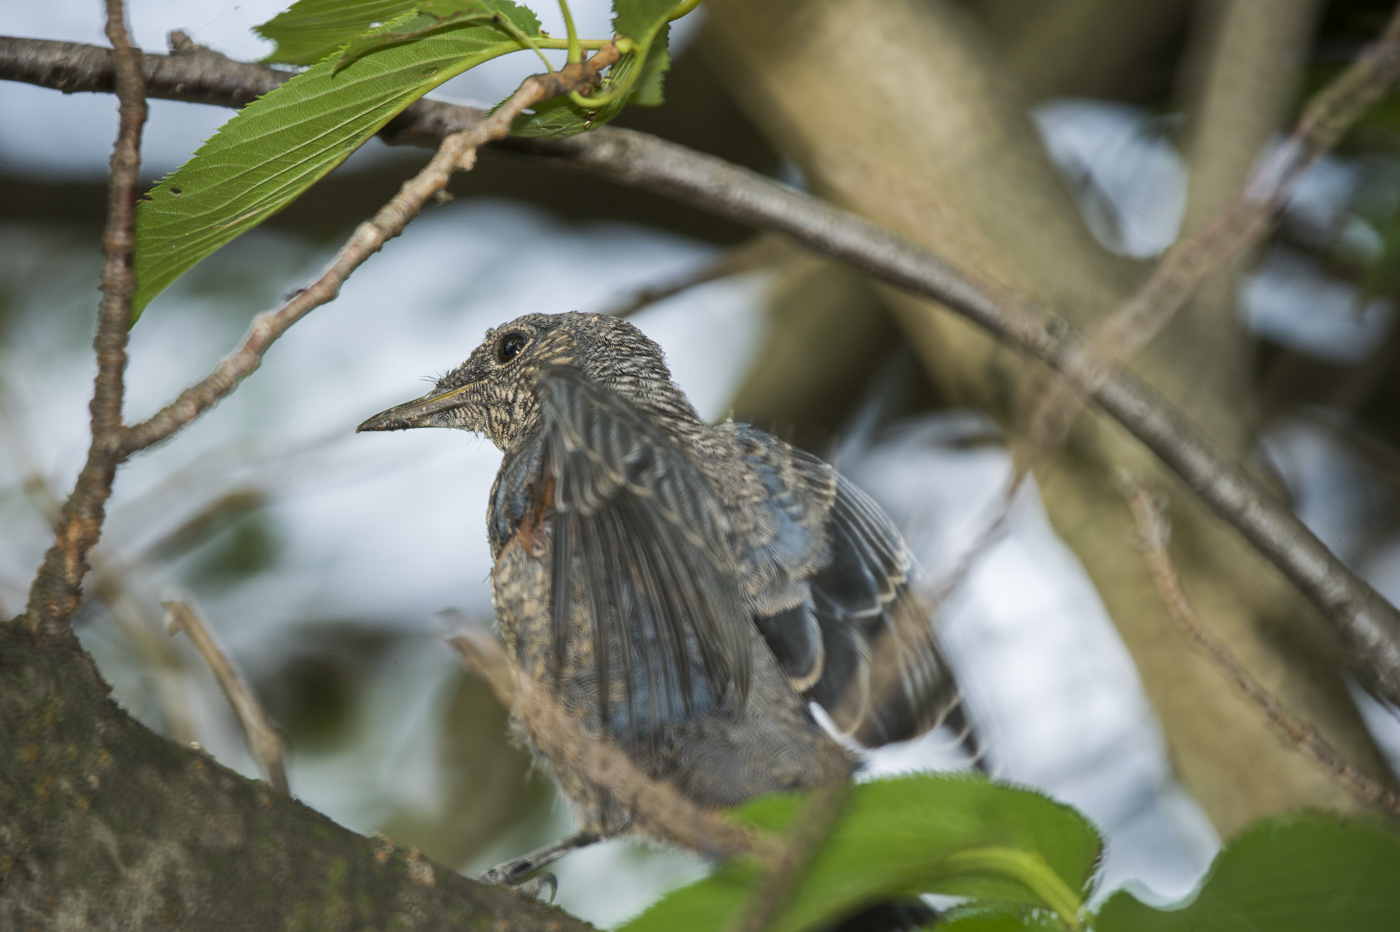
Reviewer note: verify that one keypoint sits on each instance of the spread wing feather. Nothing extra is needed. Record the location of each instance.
(640, 547)
(837, 609)
(909, 686)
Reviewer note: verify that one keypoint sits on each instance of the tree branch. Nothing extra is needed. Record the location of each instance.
(106, 823)
(1240, 226)
(1367, 625)
(260, 733)
(1154, 533)
(56, 592)
(658, 808)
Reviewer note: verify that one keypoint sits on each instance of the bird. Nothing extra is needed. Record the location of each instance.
(687, 591)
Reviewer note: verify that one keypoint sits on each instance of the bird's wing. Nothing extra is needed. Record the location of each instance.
(886, 678)
(837, 606)
(639, 553)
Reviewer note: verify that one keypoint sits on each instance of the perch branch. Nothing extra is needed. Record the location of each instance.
(658, 807)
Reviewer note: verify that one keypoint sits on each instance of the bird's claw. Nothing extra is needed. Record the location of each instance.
(535, 886)
(512, 874)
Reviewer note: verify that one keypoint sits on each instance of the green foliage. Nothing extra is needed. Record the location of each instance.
(280, 144)
(1024, 862)
(249, 547)
(392, 52)
(1304, 873)
(432, 15)
(312, 29)
(951, 834)
(637, 78)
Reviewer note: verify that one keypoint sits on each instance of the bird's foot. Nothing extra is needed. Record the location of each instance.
(513, 873)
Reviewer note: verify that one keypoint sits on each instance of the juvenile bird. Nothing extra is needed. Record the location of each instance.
(686, 591)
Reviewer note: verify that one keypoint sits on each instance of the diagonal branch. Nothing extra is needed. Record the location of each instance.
(260, 733)
(1367, 626)
(1154, 531)
(55, 594)
(1242, 224)
(658, 807)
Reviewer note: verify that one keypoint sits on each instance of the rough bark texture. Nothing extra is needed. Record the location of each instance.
(894, 109)
(105, 825)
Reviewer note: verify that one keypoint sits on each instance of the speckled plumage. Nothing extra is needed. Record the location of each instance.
(715, 579)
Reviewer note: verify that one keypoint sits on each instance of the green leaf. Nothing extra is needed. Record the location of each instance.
(1304, 872)
(280, 144)
(433, 15)
(640, 19)
(949, 834)
(646, 23)
(650, 82)
(560, 116)
(310, 30)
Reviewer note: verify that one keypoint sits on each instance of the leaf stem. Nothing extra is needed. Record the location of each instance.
(549, 42)
(505, 23)
(623, 87)
(1029, 869)
(575, 50)
(682, 9)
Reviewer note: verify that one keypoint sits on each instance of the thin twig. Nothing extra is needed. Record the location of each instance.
(658, 809)
(1367, 626)
(457, 151)
(1154, 533)
(741, 259)
(259, 731)
(788, 862)
(108, 586)
(56, 592)
(950, 581)
(1125, 332)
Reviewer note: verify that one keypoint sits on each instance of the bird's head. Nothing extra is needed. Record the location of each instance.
(492, 393)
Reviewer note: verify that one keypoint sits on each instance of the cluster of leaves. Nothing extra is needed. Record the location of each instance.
(1023, 861)
(367, 61)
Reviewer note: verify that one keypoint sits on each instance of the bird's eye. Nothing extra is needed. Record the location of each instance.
(509, 347)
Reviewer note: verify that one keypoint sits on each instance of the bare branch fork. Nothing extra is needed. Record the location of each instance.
(1367, 625)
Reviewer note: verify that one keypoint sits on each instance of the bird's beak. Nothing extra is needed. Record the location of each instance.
(421, 412)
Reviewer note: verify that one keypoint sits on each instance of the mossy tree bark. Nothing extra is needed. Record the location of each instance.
(106, 825)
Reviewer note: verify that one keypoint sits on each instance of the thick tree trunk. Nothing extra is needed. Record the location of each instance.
(894, 109)
(105, 825)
